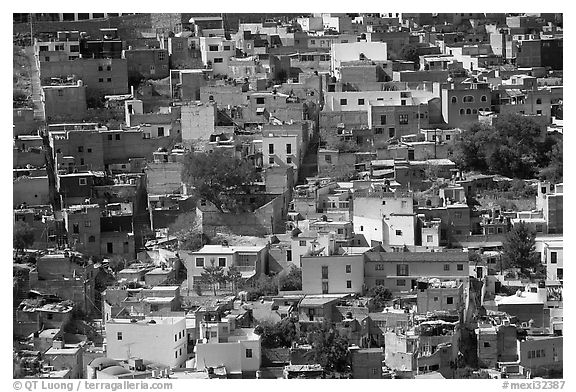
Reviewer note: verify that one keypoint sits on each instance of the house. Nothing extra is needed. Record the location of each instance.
(146, 63)
(216, 52)
(65, 101)
(342, 52)
(332, 274)
(249, 260)
(225, 344)
(542, 355)
(158, 339)
(366, 363)
(461, 103)
(400, 271)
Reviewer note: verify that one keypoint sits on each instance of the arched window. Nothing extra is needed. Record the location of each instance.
(454, 100)
(483, 98)
(91, 239)
(468, 98)
(461, 112)
(468, 111)
(539, 101)
(474, 111)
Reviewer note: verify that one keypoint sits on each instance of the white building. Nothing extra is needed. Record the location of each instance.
(375, 51)
(158, 339)
(216, 51)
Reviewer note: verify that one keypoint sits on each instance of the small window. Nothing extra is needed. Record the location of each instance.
(360, 101)
(361, 228)
(161, 56)
(289, 160)
(109, 80)
(89, 149)
(553, 257)
(87, 223)
(348, 284)
(391, 132)
(248, 353)
(218, 60)
(100, 68)
(324, 272)
(348, 268)
(429, 238)
(82, 181)
(108, 68)
(221, 261)
(383, 119)
(109, 137)
(539, 101)
(483, 98)
(462, 111)
(80, 148)
(260, 101)
(400, 282)
(160, 131)
(271, 160)
(302, 243)
(403, 119)
(460, 267)
(75, 228)
(288, 255)
(486, 344)
(288, 148)
(199, 261)
(91, 239)
(100, 80)
(446, 267)
(117, 136)
(450, 300)
(119, 336)
(399, 232)
(343, 102)
(328, 158)
(454, 100)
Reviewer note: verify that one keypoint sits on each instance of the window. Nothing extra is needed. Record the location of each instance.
(400, 282)
(75, 228)
(218, 60)
(343, 102)
(450, 300)
(468, 99)
(348, 268)
(348, 284)
(226, 47)
(248, 353)
(213, 48)
(483, 98)
(288, 160)
(454, 100)
(302, 243)
(89, 150)
(391, 132)
(91, 239)
(486, 344)
(119, 336)
(360, 101)
(399, 232)
(324, 272)
(324, 287)
(117, 136)
(271, 160)
(289, 255)
(82, 181)
(160, 131)
(361, 228)
(403, 102)
(429, 238)
(435, 299)
(108, 68)
(539, 101)
(222, 261)
(109, 137)
(403, 119)
(100, 68)
(538, 112)
(460, 267)
(87, 223)
(447, 137)
(270, 149)
(109, 247)
(288, 148)
(402, 269)
(100, 80)
(175, 354)
(553, 257)
(468, 111)
(199, 261)
(462, 112)
(383, 119)
(109, 80)
(328, 158)
(161, 56)
(446, 267)
(260, 101)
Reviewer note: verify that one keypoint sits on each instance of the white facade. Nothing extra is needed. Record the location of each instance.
(239, 351)
(375, 51)
(158, 339)
(333, 274)
(197, 121)
(285, 148)
(362, 100)
(217, 51)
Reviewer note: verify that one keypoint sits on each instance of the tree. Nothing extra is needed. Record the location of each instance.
(329, 349)
(23, 237)
(117, 263)
(519, 248)
(410, 53)
(219, 178)
(234, 277)
(292, 281)
(212, 275)
(265, 285)
(381, 295)
(281, 334)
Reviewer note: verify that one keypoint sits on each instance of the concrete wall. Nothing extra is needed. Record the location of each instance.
(30, 190)
(337, 276)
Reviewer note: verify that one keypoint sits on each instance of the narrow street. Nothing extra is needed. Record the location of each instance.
(36, 87)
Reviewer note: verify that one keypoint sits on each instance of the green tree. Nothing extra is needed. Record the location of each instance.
(410, 53)
(219, 178)
(381, 295)
(519, 248)
(212, 275)
(265, 285)
(23, 237)
(329, 349)
(292, 281)
(281, 334)
(188, 232)
(234, 277)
